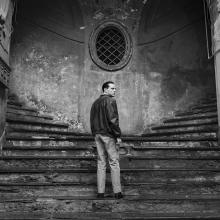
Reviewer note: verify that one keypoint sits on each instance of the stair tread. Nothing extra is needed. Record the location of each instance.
(130, 198)
(126, 183)
(204, 106)
(29, 115)
(10, 102)
(49, 122)
(92, 146)
(94, 170)
(163, 126)
(41, 130)
(91, 138)
(8, 147)
(190, 118)
(67, 133)
(95, 157)
(111, 215)
(47, 157)
(22, 108)
(180, 148)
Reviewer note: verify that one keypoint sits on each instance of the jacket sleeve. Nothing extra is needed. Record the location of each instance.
(113, 118)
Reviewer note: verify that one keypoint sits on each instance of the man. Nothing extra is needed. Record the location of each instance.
(104, 123)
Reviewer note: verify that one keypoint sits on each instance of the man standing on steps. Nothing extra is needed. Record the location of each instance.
(104, 122)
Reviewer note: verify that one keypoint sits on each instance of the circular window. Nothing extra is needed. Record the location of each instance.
(110, 46)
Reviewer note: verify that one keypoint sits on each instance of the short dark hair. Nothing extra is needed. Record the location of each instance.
(106, 85)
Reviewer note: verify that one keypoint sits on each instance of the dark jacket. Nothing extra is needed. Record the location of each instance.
(104, 117)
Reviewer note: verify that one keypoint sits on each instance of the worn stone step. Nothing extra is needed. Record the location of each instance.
(203, 106)
(19, 127)
(194, 118)
(185, 122)
(209, 127)
(182, 125)
(41, 130)
(142, 138)
(11, 102)
(137, 142)
(80, 150)
(109, 215)
(124, 150)
(90, 188)
(179, 203)
(28, 113)
(187, 161)
(195, 112)
(85, 176)
(34, 121)
(144, 144)
(212, 101)
(171, 152)
(22, 108)
(198, 113)
(191, 135)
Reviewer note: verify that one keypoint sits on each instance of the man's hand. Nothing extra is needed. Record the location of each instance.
(118, 143)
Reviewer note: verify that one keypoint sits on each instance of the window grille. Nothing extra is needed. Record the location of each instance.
(110, 46)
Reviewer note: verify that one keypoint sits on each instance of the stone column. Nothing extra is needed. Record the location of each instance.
(215, 17)
(6, 12)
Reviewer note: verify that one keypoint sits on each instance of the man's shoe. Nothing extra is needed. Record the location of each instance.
(100, 195)
(119, 195)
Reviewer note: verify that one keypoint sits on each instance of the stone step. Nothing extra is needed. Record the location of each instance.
(198, 113)
(89, 162)
(195, 112)
(185, 122)
(182, 135)
(109, 215)
(136, 142)
(166, 136)
(28, 113)
(20, 127)
(86, 176)
(124, 150)
(206, 127)
(163, 129)
(204, 106)
(41, 130)
(179, 203)
(144, 144)
(13, 118)
(195, 118)
(82, 150)
(14, 103)
(28, 109)
(212, 101)
(90, 188)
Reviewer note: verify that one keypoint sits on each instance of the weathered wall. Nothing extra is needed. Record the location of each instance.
(6, 12)
(3, 97)
(168, 69)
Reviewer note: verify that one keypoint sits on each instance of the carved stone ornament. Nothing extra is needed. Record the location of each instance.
(4, 73)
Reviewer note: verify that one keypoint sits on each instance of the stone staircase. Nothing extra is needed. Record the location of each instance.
(173, 172)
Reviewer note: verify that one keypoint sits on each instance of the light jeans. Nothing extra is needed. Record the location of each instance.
(106, 147)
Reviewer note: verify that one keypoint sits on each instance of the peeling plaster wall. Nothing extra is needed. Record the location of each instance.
(47, 72)
(176, 73)
(59, 77)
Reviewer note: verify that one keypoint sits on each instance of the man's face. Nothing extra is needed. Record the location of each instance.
(111, 90)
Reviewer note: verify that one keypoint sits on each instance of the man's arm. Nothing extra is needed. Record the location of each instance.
(112, 114)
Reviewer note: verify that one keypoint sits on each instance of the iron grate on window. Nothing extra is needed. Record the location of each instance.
(110, 46)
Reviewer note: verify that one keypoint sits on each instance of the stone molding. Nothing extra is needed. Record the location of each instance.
(4, 73)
